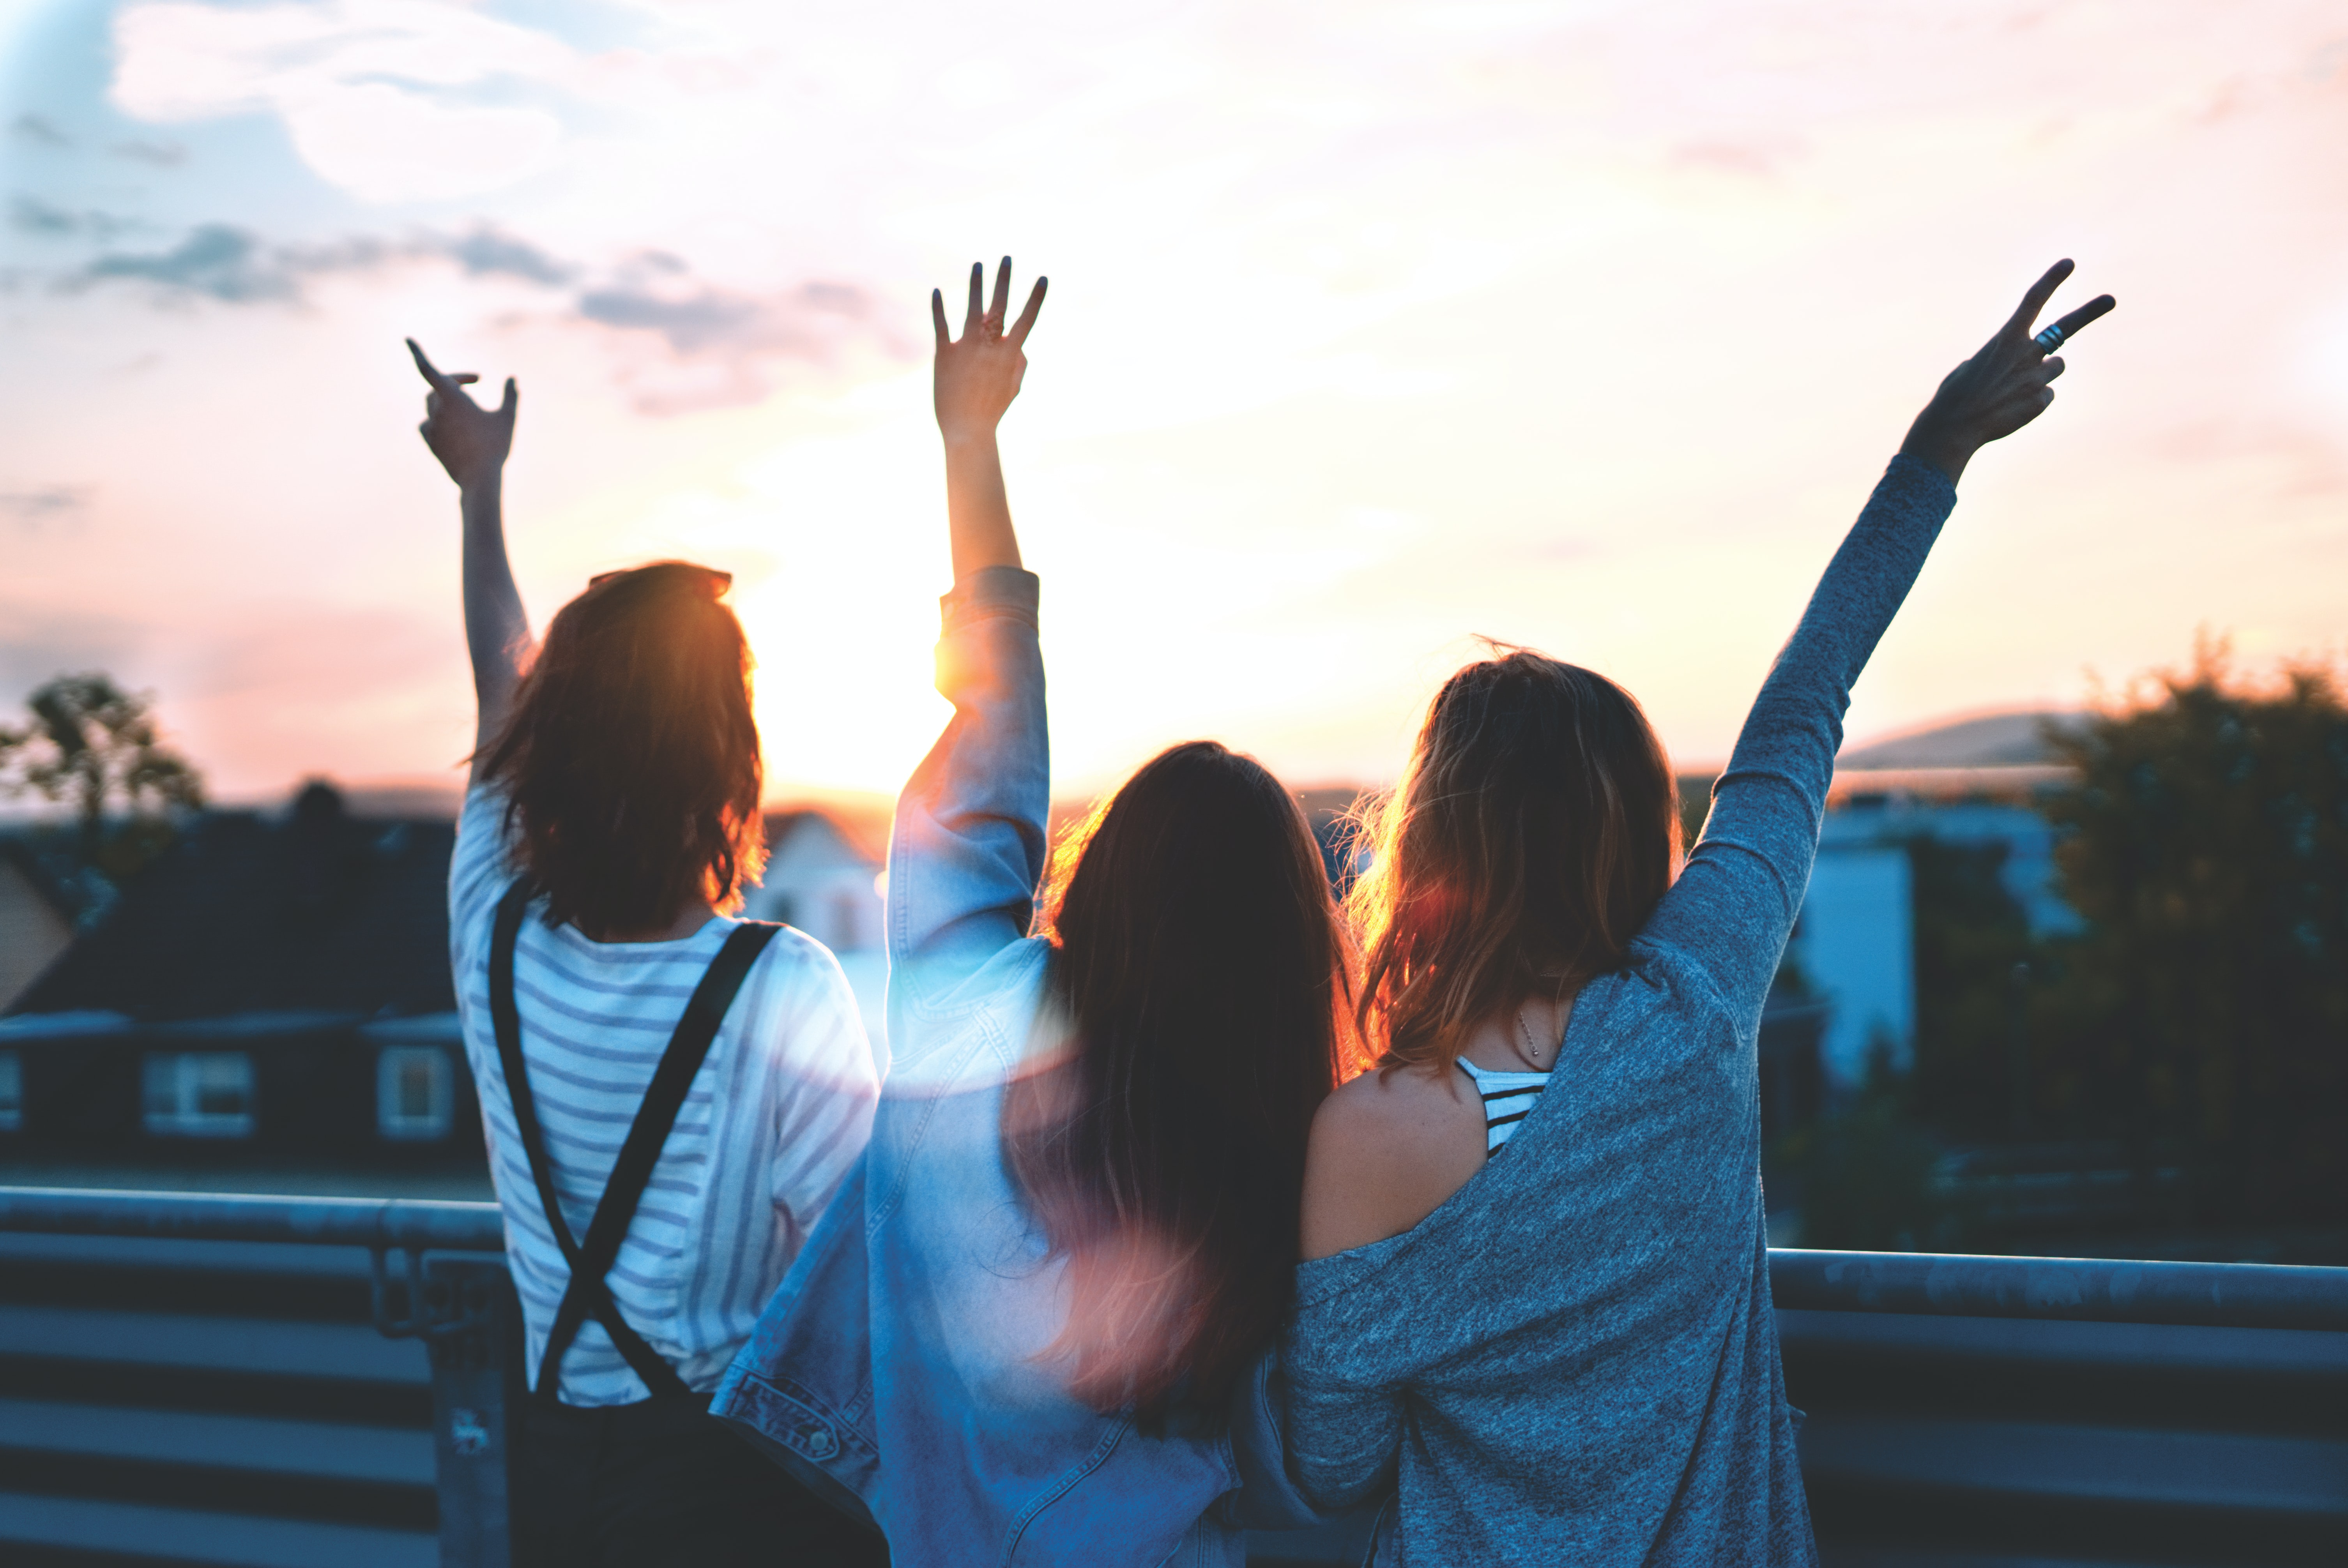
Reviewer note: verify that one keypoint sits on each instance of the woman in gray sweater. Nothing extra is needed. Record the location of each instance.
(1536, 1297)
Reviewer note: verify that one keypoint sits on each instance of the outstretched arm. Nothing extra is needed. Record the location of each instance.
(968, 848)
(1734, 905)
(974, 382)
(471, 442)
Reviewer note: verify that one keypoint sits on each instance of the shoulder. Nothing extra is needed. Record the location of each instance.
(1387, 1149)
(1662, 977)
(481, 820)
(791, 951)
(480, 864)
(1410, 1104)
(797, 976)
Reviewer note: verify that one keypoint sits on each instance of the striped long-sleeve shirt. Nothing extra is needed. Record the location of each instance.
(778, 1112)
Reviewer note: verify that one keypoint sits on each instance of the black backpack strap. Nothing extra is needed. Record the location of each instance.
(687, 1048)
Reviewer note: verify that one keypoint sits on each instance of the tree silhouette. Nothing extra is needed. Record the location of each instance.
(2207, 845)
(1971, 936)
(93, 744)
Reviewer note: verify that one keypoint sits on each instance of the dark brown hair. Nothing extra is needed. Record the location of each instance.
(1201, 986)
(1535, 829)
(629, 761)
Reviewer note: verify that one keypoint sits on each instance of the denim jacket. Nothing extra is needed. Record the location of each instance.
(896, 1371)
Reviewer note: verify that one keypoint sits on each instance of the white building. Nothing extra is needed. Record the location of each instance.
(1855, 942)
(824, 875)
(1967, 781)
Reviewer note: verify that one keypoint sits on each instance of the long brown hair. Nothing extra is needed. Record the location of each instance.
(1535, 829)
(1201, 980)
(630, 760)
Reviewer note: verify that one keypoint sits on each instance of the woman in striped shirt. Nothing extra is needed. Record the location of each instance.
(670, 1096)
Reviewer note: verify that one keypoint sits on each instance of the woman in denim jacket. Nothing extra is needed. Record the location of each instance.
(1032, 1328)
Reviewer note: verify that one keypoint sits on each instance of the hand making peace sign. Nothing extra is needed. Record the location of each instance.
(2002, 388)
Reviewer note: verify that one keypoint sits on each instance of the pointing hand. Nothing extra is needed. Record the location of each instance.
(470, 441)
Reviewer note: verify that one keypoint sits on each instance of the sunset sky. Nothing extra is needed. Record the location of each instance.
(1372, 326)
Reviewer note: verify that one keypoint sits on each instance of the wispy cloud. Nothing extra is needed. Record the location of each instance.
(39, 130)
(485, 252)
(31, 215)
(802, 321)
(721, 344)
(159, 154)
(45, 504)
(714, 343)
(230, 265)
(382, 98)
(215, 261)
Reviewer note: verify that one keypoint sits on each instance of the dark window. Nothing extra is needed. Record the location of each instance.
(198, 1094)
(415, 1093)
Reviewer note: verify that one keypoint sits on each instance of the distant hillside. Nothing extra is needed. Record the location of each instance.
(1989, 741)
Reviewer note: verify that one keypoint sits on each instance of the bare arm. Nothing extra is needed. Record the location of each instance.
(471, 442)
(976, 381)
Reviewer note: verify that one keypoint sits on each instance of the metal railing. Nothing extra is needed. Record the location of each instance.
(2075, 1290)
(1982, 1408)
(450, 1293)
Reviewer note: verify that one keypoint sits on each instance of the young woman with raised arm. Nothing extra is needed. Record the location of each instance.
(1034, 1328)
(670, 1096)
(1537, 1298)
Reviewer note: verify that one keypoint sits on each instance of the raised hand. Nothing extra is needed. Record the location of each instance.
(2002, 388)
(470, 441)
(977, 377)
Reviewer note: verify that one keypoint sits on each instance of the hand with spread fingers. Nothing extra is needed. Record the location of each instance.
(977, 376)
(470, 441)
(2002, 388)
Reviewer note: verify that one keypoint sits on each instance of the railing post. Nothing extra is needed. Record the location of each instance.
(472, 1329)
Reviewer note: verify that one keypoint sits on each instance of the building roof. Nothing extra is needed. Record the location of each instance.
(861, 823)
(42, 874)
(1982, 741)
(312, 910)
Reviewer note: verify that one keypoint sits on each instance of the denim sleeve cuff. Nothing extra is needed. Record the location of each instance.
(988, 592)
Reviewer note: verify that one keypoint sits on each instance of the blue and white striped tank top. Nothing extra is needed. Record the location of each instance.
(1507, 1099)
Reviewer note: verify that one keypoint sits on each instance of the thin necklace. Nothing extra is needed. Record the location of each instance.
(1532, 1051)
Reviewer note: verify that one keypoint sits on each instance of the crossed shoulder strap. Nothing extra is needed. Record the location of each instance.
(588, 1293)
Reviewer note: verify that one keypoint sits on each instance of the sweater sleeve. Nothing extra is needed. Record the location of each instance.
(967, 849)
(1342, 1439)
(1733, 904)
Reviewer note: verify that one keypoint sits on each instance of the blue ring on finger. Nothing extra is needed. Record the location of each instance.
(2050, 340)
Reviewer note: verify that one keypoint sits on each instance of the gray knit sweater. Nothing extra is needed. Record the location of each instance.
(1573, 1359)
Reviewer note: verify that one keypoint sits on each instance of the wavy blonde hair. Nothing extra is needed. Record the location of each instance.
(1534, 831)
